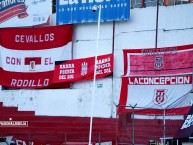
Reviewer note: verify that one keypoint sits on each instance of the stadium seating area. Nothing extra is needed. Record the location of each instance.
(56, 130)
(145, 130)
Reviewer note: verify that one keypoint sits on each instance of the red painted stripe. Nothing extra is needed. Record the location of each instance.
(8, 109)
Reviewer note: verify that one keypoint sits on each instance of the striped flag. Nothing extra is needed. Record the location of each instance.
(155, 79)
(28, 55)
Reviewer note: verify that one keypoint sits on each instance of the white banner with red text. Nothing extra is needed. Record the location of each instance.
(83, 69)
(155, 79)
(29, 55)
(17, 13)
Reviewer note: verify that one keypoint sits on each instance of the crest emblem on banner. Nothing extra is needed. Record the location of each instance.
(84, 68)
(32, 62)
(32, 65)
(159, 63)
(160, 96)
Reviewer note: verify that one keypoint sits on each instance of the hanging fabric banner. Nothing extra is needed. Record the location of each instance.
(186, 129)
(83, 69)
(157, 79)
(28, 56)
(17, 13)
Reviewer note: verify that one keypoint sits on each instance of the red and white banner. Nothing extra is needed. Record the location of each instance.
(157, 79)
(83, 69)
(16, 13)
(160, 61)
(28, 55)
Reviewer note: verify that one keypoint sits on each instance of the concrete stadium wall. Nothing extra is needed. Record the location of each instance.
(175, 28)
